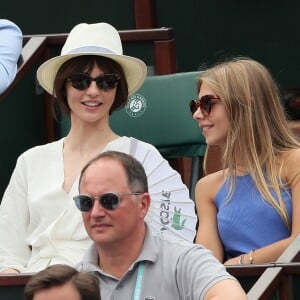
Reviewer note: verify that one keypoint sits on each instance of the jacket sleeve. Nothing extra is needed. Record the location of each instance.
(14, 220)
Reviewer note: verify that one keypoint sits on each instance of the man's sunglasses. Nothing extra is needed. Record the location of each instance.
(109, 201)
(81, 81)
(205, 103)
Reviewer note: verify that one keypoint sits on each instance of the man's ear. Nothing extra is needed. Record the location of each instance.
(144, 203)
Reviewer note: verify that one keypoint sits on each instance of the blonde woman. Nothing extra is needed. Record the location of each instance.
(249, 212)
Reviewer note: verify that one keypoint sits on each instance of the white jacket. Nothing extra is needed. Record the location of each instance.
(39, 222)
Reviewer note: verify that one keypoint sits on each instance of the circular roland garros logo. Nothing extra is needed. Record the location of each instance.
(136, 105)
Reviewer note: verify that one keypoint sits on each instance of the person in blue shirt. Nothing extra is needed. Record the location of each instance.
(11, 40)
(249, 211)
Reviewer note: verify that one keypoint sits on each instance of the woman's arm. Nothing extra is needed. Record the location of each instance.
(207, 233)
(14, 218)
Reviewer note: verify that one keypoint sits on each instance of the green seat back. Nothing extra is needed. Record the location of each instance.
(158, 113)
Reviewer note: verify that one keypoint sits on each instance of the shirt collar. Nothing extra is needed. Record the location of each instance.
(149, 253)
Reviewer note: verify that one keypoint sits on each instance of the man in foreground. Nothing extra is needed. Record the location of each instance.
(131, 261)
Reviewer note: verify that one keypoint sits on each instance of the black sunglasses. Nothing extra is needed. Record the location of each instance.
(109, 201)
(205, 103)
(81, 81)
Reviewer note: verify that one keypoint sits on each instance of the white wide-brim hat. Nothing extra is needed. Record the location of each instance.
(99, 39)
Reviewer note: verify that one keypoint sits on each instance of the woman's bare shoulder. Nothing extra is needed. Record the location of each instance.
(211, 183)
(293, 155)
(291, 162)
(212, 177)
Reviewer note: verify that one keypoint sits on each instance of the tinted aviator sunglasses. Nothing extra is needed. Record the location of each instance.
(205, 103)
(81, 81)
(109, 201)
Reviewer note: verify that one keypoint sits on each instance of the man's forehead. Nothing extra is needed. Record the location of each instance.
(105, 162)
(104, 168)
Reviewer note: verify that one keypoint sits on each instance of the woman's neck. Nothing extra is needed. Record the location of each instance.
(79, 148)
(89, 140)
(89, 135)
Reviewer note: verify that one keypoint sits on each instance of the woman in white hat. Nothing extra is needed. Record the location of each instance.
(89, 80)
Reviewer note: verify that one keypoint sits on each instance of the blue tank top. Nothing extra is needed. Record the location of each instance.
(246, 221)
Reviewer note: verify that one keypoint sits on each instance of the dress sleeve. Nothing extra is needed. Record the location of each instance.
(14, 220)
(10, 50)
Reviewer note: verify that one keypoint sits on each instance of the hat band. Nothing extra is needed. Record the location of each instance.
(89, 49)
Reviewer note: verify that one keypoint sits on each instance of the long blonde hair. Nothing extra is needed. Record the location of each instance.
(258, 127)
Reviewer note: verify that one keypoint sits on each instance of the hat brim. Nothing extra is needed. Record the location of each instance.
(135, 69)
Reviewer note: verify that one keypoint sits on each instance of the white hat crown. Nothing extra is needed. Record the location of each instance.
(99, 37)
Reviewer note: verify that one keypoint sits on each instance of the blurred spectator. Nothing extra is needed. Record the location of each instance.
(62, 282)
(10, 51)
(291, 102)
